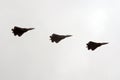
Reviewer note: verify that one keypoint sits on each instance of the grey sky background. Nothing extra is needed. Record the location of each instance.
(34, 57)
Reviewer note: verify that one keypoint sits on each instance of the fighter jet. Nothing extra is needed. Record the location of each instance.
(20, 31)
(57, 38)
(93, 45)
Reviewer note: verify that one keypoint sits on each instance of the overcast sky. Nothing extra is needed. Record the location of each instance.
(34, 57)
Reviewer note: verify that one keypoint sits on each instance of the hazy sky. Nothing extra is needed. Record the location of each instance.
(34, 57)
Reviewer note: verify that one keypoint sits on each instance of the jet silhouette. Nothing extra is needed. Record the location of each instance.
(20, 31)
(57, 38)
(93, 45)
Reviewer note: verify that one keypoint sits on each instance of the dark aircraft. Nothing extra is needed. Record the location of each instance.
(57, 38)
(93, 45)
(20, 31)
